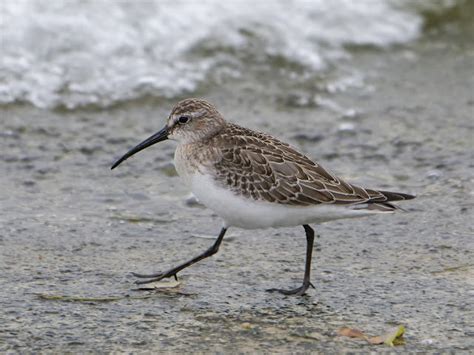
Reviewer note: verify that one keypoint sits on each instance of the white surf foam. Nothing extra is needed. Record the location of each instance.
(77, 52)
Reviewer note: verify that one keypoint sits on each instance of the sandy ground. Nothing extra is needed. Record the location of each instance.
(72, 227)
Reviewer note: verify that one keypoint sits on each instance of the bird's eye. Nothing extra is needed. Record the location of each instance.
(183, 119)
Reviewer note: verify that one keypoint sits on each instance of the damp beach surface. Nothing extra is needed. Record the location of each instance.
(72, 230)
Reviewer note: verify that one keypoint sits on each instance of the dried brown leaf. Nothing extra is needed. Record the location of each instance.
(391, 337)
(376, 340)
(351, 333)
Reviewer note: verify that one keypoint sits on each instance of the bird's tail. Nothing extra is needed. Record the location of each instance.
(381, 200)
(396, 196)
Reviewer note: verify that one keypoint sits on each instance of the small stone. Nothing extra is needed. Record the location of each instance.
(352, 114)
(434, 174)
(246, 326)
(192, 201)
(346, 128)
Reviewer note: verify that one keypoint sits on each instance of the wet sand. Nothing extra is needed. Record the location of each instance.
(72, 227)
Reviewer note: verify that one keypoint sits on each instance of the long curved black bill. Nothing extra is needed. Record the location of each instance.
(157, 137)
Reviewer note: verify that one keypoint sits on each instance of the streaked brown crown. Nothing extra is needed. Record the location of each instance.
(187, 106)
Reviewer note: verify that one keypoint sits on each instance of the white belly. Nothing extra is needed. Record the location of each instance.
(247, 213)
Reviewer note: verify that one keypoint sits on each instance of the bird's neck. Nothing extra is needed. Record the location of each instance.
(193, 158)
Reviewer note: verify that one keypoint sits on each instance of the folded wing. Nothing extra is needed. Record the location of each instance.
(263, 168)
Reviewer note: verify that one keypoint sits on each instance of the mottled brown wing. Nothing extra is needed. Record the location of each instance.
(261, 167)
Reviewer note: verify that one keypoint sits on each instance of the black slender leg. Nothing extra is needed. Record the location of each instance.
(306, 280)
(174, 271)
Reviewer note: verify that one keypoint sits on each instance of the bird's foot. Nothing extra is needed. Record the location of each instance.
(154, 277)
(299, 291)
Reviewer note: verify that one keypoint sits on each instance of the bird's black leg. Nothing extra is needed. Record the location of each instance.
(306, 280)
(174, 271)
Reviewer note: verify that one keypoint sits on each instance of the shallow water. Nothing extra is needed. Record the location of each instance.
(72, 227)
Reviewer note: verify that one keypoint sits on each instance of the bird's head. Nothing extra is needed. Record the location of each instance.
(191, 120)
